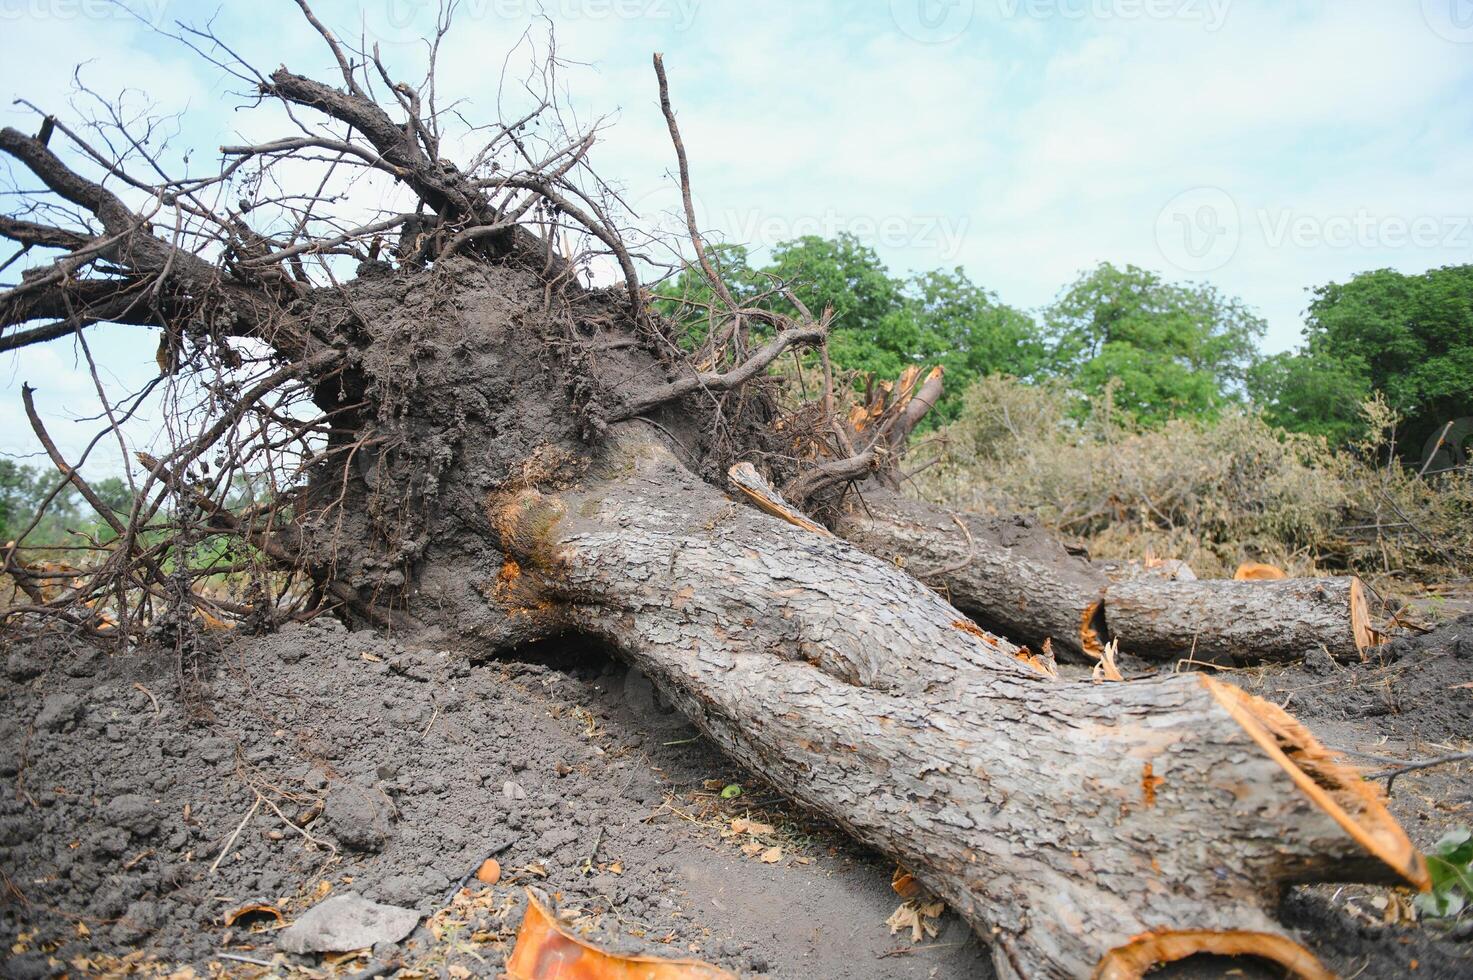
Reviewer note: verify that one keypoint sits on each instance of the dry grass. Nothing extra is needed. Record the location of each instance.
(1214, 494)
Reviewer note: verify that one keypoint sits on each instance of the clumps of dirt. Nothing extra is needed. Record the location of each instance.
(1415, 688)
(339, 761)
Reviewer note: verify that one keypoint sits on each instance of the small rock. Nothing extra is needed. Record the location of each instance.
(86, 662)
(110, 843)
(138, 921)
(59, 712)
(344, 922)
(360, 817)
(215, 749)
(513, 791)
(132, 813)
(22, 665)
(26, 966)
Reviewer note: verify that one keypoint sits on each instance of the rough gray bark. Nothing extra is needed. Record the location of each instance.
(1239, 622)
(1017, 578)
(1008, 573)
(1063, 820)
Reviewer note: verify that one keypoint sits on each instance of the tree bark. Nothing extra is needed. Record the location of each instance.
(1069, 823)
(1015, 577)
(1008, 573)
(1240, 622)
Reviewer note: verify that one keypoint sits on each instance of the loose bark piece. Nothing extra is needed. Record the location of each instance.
(749, 483)
(1240, 622)
(547, 950)
(1141, 955)
(1064, 821)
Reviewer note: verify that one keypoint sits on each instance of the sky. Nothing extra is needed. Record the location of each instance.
(1263, 147)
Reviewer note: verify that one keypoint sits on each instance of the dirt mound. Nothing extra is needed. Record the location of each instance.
(414, 764)
(417, 764)
(1412, 690)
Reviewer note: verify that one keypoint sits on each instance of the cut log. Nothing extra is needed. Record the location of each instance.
(1067, 822)
(1240, 621)
(1009, 574)
(1015, 577)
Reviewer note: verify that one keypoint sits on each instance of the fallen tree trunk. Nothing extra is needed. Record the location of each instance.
(1014, 576)
(1009, 573)
(1079, 828)
(1240, 621)
(484, 462)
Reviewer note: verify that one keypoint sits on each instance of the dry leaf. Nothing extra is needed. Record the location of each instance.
(772, 855)
(904, 883)
(742, 825)
(750, 848)
(918, 917)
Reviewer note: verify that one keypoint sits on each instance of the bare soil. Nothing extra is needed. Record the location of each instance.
(416, 763)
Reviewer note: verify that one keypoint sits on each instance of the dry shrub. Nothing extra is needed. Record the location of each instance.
(1211, 493)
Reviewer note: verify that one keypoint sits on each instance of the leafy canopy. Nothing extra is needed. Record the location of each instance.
(1171, 350)
(1409, 337)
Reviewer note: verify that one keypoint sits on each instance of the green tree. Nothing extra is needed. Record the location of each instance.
(1313, 392)
(1172, 349)
(872, 331)
(688, 298)
(882, 324)
(966, 330)
(1409, 337)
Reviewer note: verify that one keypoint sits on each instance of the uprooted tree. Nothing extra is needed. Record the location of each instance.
(462, 435)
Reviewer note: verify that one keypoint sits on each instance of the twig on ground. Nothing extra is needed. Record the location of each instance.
(244, 959)
(1443, 760)
(157, 711)
(239, 827)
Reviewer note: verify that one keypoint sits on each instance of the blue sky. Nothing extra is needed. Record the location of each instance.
(1265, 147)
